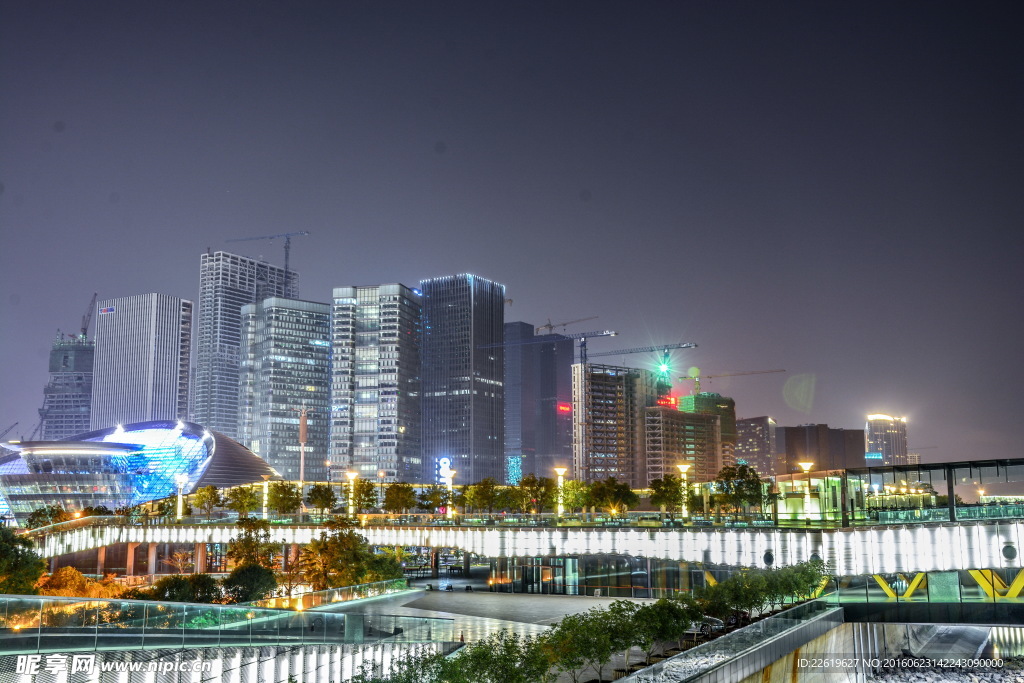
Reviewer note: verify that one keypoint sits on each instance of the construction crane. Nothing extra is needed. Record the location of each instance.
(580, 336)
(664, 349)
(87, 318)
(696, 380)
(287, 246)
(8, 430)
(550, 326)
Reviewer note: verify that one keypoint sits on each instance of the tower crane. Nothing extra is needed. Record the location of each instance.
(87, 318)
(697, 378)
(287, 246)
(550, 326)
(664, 349)
(580, 336)
(8, 430)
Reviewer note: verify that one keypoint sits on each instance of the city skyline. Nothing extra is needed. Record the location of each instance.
(833, 188)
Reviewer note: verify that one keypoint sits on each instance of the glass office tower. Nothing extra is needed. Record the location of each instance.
(375, 383)
(285, 370)
(142, 360)
(463, 392)
(226, 283)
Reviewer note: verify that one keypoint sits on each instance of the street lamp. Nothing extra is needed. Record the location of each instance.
(806, 467)
(181, 479)
(560, 471)
(451, 496)
(352, 492)
(266, 493)
(683, 469)
(380, 477)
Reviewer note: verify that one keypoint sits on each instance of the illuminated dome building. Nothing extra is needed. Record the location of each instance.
(122, 466)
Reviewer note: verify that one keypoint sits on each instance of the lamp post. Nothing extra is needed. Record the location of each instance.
(380, 478)
(560, 471)
(351, 492)
(181, 479)
(806, 467)
(266, 493)
(683, 469)
(450, 512)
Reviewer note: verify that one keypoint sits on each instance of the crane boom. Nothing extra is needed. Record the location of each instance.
(542, 340)
(550, 326)
(646, 349)
(8, 430)
(287, 246)
(87, 318)
(696, 379)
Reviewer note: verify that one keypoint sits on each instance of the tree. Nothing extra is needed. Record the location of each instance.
(366, 494)
(575, 494)
(619, 620)
(249, 582)
(560, 643)
(432, 498)
(45, 516)
(243, 500)
(322, 497)
(594, 641)
(319, 564)
(483, 495)
(252, 545)
(168, 507)
(207, 498)
(613, 495)
(180, 561)
(502, 657)
(97, 511)
(668, 492)
(20, 566)
(537, 492)
(738, 486)
(284, 498)
(399, 497)
(289, 571)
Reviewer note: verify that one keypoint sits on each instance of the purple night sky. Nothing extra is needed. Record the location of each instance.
(830, 188)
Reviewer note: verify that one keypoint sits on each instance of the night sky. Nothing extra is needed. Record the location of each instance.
(832, 188)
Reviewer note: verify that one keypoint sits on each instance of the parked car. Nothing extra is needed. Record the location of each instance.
(706, 626)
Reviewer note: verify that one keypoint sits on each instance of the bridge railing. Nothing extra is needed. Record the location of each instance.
(311, 599)
(31, 624)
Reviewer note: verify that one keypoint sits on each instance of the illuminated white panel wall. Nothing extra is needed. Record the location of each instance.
(858, 551)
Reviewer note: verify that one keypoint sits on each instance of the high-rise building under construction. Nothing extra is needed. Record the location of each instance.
(226, 283)
(609, 434)
(67, 398)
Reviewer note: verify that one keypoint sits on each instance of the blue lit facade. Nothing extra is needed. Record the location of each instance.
(121, 467)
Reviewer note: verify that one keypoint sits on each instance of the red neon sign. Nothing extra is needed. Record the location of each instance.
(565, 407)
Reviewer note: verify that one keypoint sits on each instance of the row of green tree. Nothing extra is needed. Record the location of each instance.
(735, 487)
(587, 641)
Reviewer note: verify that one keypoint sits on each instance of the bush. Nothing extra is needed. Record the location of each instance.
(248, 583)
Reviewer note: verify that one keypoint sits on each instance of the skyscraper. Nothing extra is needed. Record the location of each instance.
(609, 433)
(538, 401)
(67, 398)
(677, 438)
(885, 440)
(226, 283)
(463, 365)
(375, 382)
(285, 369)
(826, 448)
(756, 444)
(142, 360)
(710, 403)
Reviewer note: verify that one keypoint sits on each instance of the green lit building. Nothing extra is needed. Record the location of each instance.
(707, 403)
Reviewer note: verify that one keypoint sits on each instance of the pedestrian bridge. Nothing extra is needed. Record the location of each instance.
(946, 546)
